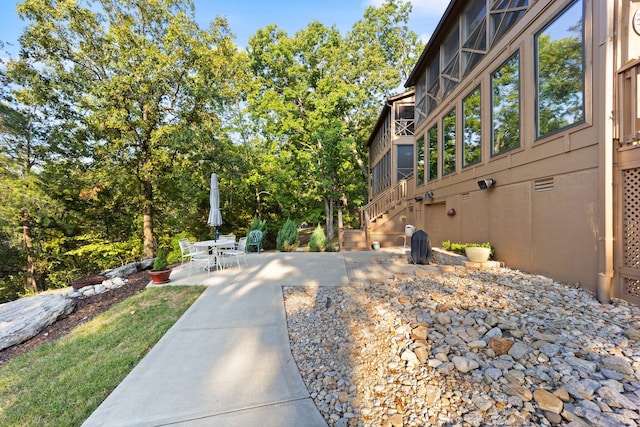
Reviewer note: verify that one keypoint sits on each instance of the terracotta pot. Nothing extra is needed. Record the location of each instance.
(160, 277)
(477, 254)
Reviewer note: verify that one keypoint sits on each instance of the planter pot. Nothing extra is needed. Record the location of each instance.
(160, 277)
(477, 254)
(376, 246)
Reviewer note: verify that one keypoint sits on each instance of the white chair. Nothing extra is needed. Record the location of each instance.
(186, 249)
(226, 242)
(202, 261)
(239, 252)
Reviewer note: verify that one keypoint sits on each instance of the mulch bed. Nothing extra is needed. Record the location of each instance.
(86, 309)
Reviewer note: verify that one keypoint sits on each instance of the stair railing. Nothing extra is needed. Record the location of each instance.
(383, 202)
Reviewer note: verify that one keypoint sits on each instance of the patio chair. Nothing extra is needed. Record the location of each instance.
(237, 253)
(186, 249)
(202, 261)
(254, 239)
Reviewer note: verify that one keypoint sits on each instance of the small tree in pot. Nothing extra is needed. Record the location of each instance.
(160, 272)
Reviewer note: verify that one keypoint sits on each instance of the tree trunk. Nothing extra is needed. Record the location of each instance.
(328, 208)
(259, 205)
(147, 218)
(28, 246)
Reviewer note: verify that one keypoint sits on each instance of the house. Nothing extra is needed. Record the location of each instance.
(526, 133)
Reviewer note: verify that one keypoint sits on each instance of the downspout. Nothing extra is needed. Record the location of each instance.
(604, 289)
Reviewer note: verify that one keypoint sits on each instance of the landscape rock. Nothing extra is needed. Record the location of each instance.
(123, 271)
(500, 345)
(464, 364)
(547, 401)
(24, 318)
(559, 357)
(618, 364)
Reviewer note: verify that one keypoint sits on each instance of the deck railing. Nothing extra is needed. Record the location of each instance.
(629, 104)
(404, 127)
(383, 202)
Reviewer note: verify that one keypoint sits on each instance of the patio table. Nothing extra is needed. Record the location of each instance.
(213, 246)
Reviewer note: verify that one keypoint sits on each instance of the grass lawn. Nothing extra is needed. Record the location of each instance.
(63, 382)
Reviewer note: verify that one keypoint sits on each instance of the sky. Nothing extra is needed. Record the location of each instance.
(245, 17)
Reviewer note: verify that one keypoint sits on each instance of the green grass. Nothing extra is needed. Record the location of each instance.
(63, 382)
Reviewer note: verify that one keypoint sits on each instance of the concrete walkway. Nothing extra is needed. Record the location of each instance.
(227, 361)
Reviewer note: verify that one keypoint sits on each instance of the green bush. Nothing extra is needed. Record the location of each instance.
(94, 253)
(318, 240)
(332, 246)
(287, 240)
(160, 262)
(459, 247)
(257, 224)
(12, 287)
(175, 255)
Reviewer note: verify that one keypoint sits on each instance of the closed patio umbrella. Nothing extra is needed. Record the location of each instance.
(215, 217)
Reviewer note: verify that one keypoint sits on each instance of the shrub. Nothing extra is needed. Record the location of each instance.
(287, 240)
(318, 240)
(257, 224)
(12, 287)
(175, 255)
(332, 246)
(92, 252)
(160, 262)
(459, 247)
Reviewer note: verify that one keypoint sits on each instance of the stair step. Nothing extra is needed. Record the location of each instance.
(354, 240)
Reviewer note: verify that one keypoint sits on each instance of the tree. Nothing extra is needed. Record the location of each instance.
(315, 96)
(138, 81)
(381, 53)
(24, 202)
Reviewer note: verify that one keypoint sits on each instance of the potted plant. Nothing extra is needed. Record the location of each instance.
(478, 252)
(160, 271)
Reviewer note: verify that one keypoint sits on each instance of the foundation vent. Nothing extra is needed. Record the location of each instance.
(632, 287)
(544, 184)
(631, 222)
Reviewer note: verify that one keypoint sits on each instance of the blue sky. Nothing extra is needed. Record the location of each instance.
(247, 16)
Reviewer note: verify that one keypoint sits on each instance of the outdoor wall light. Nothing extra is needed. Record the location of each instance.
(486, 183)
(428, 195)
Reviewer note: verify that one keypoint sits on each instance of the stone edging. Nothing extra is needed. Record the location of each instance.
(115, 279)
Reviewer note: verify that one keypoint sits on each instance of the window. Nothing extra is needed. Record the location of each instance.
(433, 84)
(471, 129)
(474, 34)
(479, 26)
(420, 161)
(405, 161)
(449, 143)
(404, 120)
(560, 72)
(505, 106)
(382, 174)
(421, 93)
(450, 62)
(432, 134)
(504, 14)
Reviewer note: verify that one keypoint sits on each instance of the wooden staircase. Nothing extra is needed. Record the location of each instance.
(354, 240)
(383, 203)
(372, 216)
